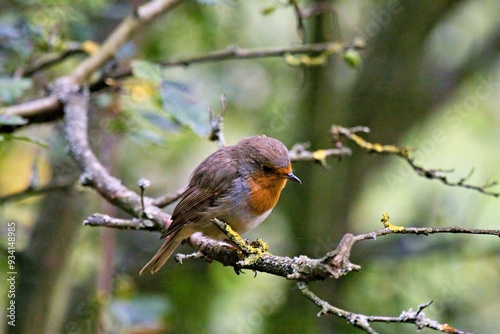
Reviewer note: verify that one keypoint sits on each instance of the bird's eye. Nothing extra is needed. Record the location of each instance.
(267, 169)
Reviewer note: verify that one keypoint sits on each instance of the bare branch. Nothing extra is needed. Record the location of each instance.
(52, 59)
(440, 174)
(144, 14)
(98, 219)
(168, 199)
(38, 190)
(362, 321)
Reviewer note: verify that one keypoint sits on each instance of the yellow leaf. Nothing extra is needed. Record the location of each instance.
(140, 90)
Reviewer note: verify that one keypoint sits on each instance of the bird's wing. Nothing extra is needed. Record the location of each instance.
(209, 181)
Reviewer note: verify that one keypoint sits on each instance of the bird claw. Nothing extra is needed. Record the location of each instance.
(250, 252)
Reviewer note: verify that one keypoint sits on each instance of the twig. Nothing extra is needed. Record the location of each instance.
(439, 174)
(235, 52)
(168, 199)
(426, 231)
(338, 132)
(362, 321)
(38, 190)
(53, 59)
(179, 258)
(300, 152)
(300, 28)
(217, 124)
(143, 185)
(32, 110)
(98, 219)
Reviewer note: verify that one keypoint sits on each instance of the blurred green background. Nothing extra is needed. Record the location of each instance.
(429, 78)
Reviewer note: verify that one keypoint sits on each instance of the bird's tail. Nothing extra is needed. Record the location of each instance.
(163, 254)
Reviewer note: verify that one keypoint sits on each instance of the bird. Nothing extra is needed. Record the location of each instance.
(239, 185)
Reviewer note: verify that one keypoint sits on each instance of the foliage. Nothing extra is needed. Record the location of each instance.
(428, 79)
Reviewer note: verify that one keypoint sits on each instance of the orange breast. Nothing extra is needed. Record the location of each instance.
(265, 192)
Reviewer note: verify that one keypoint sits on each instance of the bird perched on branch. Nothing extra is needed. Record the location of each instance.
(239, 185)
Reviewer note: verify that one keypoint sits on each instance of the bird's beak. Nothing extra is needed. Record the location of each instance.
(293, 178)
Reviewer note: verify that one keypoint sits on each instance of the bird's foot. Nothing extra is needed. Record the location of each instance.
(254, 251)
(250, 252)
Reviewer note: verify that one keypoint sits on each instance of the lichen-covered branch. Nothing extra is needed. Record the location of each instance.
(300, 152)
(338, 132)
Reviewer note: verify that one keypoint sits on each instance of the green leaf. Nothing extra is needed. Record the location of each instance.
(12, 88)
(268, 10)
(12, 120)
(178, 100)
(147, 71)
(352, 58)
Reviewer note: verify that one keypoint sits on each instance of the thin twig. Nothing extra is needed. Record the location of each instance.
(217, 124)
(53, 59)
(98, 219)
(168, 199)
(439, 174)
(38, 190)
(235, 52)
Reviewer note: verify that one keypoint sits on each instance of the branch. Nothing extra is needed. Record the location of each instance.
(36, 109)
(94, 173)
(168, 199)
(362, 321)
(300, 152)
(52, 59)
(98, 219)
(38, 190)
(235, 52)
(304, 269)
(338, 132)
(130, 25)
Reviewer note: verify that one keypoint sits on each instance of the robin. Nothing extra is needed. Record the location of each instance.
(239, 185)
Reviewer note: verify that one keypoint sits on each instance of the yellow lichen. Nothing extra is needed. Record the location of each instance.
(389, 225)
(90, 47)
(252, 252)
(320, 156)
